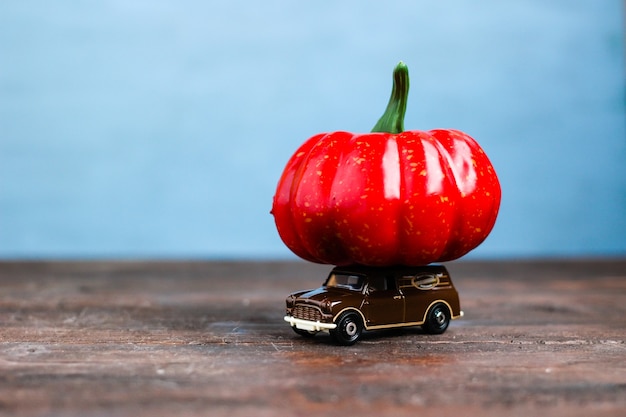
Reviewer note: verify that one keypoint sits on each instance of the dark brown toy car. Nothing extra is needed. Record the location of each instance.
(357, 298)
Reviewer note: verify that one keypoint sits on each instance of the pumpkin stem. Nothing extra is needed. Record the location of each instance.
(392, 121)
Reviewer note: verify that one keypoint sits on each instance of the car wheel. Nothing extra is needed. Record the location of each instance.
(348, 330)
(304, 333)
(437, 319)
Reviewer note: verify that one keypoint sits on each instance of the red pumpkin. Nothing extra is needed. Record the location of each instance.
(389, 197)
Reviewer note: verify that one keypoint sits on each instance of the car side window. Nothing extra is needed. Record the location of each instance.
(422, 281)
(425, 281)
(377, 283)
(390, 282)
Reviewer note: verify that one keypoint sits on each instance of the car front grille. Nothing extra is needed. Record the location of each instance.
(306, 313)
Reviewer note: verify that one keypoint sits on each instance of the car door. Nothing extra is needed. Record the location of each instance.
(384, 303)
(419, 293)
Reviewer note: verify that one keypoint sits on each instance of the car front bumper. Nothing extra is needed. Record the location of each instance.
(311, 326)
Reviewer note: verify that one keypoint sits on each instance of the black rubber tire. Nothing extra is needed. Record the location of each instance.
(348, 330)
(437, 319)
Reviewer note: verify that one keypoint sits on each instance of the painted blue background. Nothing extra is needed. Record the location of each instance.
(160, 128)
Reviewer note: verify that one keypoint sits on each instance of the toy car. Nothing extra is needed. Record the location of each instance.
(357, 298)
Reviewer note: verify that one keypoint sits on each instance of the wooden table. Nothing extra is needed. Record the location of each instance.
(539, 338)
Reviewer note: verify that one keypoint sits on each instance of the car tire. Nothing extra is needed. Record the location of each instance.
(348, 330)
(437, 319)
(304, 333)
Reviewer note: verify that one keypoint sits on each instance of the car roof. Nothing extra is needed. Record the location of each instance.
(398, 269)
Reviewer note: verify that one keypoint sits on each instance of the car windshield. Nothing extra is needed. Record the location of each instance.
(343, 280)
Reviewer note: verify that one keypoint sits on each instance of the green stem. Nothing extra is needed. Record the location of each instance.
(392, 121)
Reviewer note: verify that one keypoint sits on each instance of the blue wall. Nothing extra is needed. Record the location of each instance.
(160, 128)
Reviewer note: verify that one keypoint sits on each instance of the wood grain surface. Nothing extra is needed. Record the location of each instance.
(539, 338)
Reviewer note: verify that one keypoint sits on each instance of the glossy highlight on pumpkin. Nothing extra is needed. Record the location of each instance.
(381, 199)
